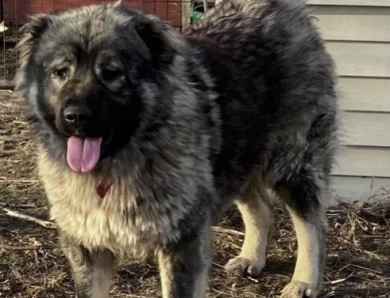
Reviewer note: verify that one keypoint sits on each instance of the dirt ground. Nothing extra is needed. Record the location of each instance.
(32, 265)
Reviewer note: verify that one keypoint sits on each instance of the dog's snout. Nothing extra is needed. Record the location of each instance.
(77, 115)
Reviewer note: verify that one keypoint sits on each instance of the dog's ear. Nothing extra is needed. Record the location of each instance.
(163, 41)
(31, 32)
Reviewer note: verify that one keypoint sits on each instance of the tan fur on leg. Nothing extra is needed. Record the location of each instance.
(101, 285)
(92, 270)
(306, 269)
(255, 207)
(306, 281)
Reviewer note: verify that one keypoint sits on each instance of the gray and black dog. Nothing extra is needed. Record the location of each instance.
(145, 135)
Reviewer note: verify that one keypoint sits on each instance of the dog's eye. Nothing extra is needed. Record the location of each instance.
(111, 74)
(62, 72)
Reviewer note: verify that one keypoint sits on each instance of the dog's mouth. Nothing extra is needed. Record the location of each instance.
(87, 142)
(90, 137)
(83, 154)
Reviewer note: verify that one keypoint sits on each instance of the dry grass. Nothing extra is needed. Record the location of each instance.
(32, 265)
(8, 62)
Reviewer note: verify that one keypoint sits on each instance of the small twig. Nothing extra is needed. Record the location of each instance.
(219, 265)
(254, 280)
(19, 180)
(36, 293)
(12, 247)
(227, 231)
(367, 269)
(341, 269)
(330, 294)
(223, 293)
(43, 223)
(341, 280)
(27, 206)
(20, 122)
(51, 225)
(133, 296)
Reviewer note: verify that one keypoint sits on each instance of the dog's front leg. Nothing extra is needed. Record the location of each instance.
(92, 270)
(184, 266)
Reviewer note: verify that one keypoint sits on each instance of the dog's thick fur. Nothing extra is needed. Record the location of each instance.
(240, 103)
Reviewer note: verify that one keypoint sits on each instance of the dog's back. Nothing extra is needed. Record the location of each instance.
(276, 89)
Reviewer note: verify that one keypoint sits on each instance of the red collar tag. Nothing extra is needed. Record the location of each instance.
(102, 188)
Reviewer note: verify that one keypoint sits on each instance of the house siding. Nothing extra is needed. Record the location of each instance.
(357, 35)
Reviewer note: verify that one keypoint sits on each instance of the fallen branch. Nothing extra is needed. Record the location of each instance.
(51, 225)
(368, 269)
(12, 247)
(43, 223)
(18, 180)
(227, 231)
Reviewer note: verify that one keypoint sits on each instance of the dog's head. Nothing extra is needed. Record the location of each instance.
(90, 75)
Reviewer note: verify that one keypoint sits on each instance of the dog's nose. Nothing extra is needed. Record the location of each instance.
(77, 115)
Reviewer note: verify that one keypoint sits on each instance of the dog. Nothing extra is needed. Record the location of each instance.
(145, 135)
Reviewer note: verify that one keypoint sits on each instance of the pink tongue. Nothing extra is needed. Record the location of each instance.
(83, 154)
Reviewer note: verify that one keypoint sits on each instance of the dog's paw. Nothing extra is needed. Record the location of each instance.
(241, 266)
(298, 289)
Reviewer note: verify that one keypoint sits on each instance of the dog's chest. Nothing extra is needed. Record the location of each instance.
(120, 221)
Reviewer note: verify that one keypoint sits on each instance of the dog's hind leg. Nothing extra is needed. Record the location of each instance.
(184, 265)
(304, 198)
(255, 206)
(91, 270)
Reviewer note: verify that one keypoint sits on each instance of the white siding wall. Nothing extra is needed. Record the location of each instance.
(357, 34)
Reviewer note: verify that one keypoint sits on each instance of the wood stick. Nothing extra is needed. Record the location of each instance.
(43, 223)
(51, 225)
(12, 247)
(227, 231)
(19, 181)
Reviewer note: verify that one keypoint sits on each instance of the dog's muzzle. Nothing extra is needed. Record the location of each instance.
(77, 117)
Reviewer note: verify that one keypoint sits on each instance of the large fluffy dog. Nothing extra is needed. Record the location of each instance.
(146, 135)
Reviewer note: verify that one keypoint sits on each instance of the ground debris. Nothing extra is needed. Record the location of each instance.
(32, 265)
